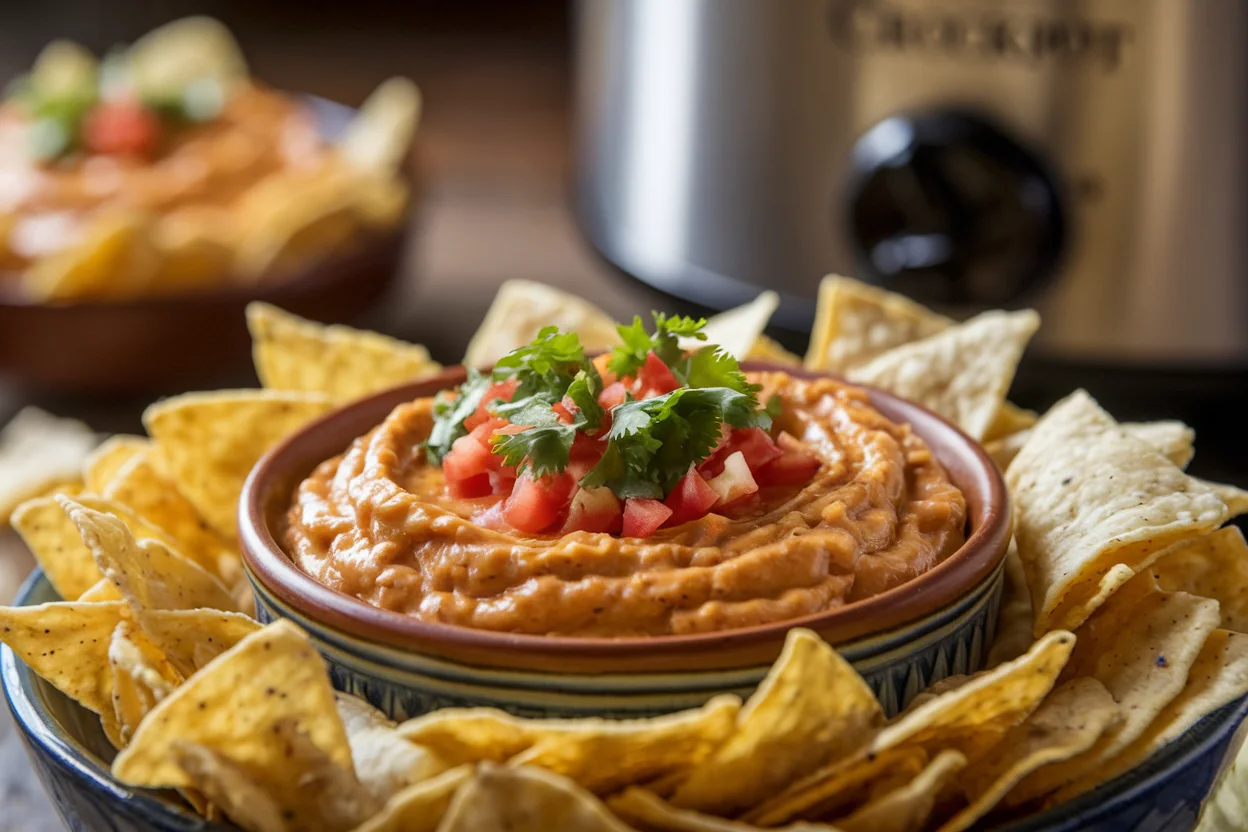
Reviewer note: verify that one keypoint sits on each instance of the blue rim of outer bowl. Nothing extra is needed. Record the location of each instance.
(42, 729)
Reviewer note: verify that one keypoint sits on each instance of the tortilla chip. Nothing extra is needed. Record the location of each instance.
(471, 735)
(379, 138)
(114, 257)
(765, 349)
(385, 763)
(67, 644)
(1214, 566)
(1236, 498)
(1140, 646)
(974, 717)
(142, 677)
(842, 786)
(145, 491)
(1069, 721)
(58, 548)
(39, 451)
(1010, 419)
(639, 750)
(209, 442)
(293, 219)
(525, 799)
(521, 308)
(1174, 439)
(907, 809)
(419, 807)
(812, 708)
(1094, 505)
(102, 464)
(342, 363)
(1014, 617)
(193, 638)
(102, 590)
(149, 574)
(1003, 450)
(855, 323)
(648, 811)
(738, 330)
(234, 705)
(308, 791)
(962, 373)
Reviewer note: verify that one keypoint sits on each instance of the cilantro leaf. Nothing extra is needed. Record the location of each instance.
(548, 363)
(449, 412)
(714, 367)
(628, 358)
(583, 391)
(539, 450)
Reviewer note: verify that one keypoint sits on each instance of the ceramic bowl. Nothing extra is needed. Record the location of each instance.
(900, 641)
(71, 757)
(176, 342)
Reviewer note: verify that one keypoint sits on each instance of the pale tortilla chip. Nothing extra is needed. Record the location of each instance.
(193, 638)
(738, 330)
(1173, 439)
(1140, 646)
(380, 136)
(639, 751)
(1069, 721)
(908, 808)
(149, 574)
(67, 644)
(1214, 566)
(209, 442)
(145, 491)
(340, 362)
(812, 708)
(102, 464)
(1014, 617)
(39, 451)
(1236, 498)
(234, 705)
(962, 373)
(648, 811)
(385, 763)
(1094, 505)
(522, 308)
(142, 676)
(525, 799)
(420, 807)
(855, 323)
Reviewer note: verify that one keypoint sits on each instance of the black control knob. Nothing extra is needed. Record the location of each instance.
(947, 208)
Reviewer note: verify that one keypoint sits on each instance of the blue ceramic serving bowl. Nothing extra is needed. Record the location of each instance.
(901, 641)
(71, 757)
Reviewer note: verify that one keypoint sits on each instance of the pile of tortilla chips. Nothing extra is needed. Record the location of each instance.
(1122, 626)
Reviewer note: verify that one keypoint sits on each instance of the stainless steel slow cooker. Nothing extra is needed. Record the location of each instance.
(1087, 157)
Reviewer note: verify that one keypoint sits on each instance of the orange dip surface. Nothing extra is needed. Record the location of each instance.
(377, 523)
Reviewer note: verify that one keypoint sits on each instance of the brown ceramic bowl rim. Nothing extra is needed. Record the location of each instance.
(937, 588)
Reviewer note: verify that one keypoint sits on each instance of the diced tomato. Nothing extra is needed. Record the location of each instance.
(502, 390)
(123, 127)
(562, 413)
(535, 504)
(690, 499)
(466, 460)
(654, 375)
(470, 488)
(794, 466)
(594, 510)
(735, 481)
(755, 445)
(642, 517)
(613, 395)
(484, 432)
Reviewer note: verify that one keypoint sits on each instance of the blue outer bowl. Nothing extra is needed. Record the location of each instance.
(71, 757)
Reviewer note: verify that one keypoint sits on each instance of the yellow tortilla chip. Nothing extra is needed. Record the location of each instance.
(343, 363)
(209, 442)
(196, 251)
(148, 493)
(67, 644)
(525, 799)
(58, 548)
(142, 676)
(1014, 617)
(293, 219)
(974, 717)
(521, 308)
(1093, 505)
(646, 810)
(234, 706)
(1214, 566)
(811, 708)
(908, 808)
(193, 638)
(148, 573)
(419, 807)
(102, 464)
(841, 786)
(1069, 721)
(962, 373)
(114, 258)
(640, 750)
(1010, 419)
(765, 349)
(737, 331)
(39, 451)
(385, 763)
(102, 590)
(1140, 646)
(855, 323)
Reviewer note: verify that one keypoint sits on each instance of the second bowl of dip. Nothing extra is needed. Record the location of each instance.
(938, 623)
